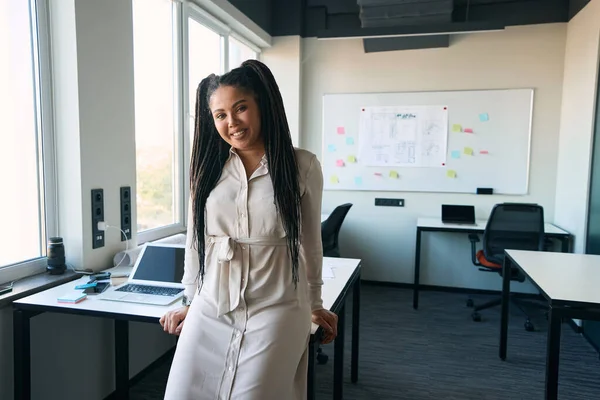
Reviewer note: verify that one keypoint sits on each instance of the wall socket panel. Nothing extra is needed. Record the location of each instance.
(389, 202)
(125, 213)
(97, 216)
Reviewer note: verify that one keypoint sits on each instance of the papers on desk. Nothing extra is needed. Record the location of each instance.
(327, 272)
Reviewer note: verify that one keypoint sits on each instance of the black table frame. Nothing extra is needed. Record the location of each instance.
(564, 238)
(22, 314)
(558, 311)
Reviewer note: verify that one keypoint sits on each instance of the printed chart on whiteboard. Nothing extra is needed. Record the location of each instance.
(406, 136)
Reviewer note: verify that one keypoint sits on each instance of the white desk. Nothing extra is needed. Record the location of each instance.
(335, 291)
(436, 225)
(569, 282)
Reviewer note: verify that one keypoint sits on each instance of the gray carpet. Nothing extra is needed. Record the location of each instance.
(438, 352)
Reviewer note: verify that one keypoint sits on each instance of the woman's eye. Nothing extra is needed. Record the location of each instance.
(242, 108)
(220, 116)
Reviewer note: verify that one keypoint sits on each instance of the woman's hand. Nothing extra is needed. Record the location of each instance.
(172, 322)
(328, 321)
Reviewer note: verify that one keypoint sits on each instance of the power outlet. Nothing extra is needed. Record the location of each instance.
(389, 202)
(125, 213)
(97, 216)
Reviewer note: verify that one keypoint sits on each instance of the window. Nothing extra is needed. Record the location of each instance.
(239, 52)
(157, 115)
(27, 209)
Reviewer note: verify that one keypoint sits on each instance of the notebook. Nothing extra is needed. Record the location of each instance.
(155, 277)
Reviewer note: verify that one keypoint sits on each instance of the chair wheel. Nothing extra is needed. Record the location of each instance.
(470, 303)
(529, 326)
(476, 317)
(322, 358)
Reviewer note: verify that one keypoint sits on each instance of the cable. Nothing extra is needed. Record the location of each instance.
(102, 227)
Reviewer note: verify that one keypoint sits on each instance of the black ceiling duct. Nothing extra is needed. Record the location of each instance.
(388, 13)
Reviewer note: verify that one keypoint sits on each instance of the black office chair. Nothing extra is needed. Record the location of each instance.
(330, 230)
(516, 226)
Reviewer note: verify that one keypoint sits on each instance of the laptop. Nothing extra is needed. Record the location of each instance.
(458, 214)
(155, 277)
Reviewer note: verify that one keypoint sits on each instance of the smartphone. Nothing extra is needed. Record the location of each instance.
(99, 287)
(5, 289)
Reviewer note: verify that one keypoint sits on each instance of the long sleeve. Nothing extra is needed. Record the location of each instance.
(192, 265)
(311, 248)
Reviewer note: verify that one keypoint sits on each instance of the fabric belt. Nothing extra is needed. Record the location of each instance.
(230, 271)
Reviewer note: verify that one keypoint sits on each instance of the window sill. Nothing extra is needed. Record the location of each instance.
(34, 284)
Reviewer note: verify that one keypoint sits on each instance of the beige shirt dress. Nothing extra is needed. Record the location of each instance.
(246, 333)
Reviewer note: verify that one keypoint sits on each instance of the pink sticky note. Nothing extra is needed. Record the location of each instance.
(483, 152)
(339, 163)
(341, 130)
(468, 130)
(377, 174)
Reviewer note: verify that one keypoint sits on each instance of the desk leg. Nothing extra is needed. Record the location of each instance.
(122, 359)
(312, 360)
(22, 355)
(506, 267)
(355, 329)
(338, 356)
(417, 270)
(552, 353)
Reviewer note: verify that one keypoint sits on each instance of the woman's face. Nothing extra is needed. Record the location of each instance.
(236, 117)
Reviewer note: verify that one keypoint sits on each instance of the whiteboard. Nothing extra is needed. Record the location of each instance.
(487, 142)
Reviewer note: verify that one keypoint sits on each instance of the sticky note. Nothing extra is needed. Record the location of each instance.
(483, 152)
(334, 179)
(394, 174)
(377, 174)
(349, 140)
(455, 154)
(331, 148)
(340, 163)
(451, 174)
(456, 128)
(484, 117)
(341, 130)
(468, 130)
(351, 159)
(468, 151)
(358, 180)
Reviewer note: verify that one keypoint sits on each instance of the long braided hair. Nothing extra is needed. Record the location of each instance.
(210, 152)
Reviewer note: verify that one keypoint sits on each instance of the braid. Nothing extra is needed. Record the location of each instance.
(281, 156)
(209, 154)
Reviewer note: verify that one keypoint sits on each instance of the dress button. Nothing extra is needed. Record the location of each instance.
(243, 215)
(243, 247)
(230, 368)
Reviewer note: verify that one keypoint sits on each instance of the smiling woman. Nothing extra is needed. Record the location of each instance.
(254, 254)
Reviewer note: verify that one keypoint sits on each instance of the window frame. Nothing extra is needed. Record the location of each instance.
(179, 157)
(45, 142)
(193, 11)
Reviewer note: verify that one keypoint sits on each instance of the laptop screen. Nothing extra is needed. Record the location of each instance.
(458, 213)
(161, 264)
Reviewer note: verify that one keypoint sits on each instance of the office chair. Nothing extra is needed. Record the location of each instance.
(517, 226)
(330, 229)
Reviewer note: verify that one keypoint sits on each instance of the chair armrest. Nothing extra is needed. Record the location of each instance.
(474, 238)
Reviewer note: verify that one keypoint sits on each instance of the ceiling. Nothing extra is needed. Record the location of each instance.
(421, 23)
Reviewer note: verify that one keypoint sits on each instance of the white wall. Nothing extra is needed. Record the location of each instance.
(384, 237)
(283, 60)
(577, 122)
(72, 356)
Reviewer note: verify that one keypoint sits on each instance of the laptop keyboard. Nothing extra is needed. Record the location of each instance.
(155, 290)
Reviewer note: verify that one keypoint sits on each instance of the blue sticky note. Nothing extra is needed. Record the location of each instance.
(331, 148)
(358, 180)
(349, 140)
(484, 117)
(455, 154)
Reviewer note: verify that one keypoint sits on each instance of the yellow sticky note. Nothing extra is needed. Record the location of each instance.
(456, 128)
(451, 173)
(334, 179)
(351, 159)
(468, 151)
(394, 174)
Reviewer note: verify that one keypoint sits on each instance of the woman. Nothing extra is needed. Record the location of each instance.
(254, 254)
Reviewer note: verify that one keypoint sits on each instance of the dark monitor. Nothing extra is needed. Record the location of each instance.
(458, 214)
(160, 264)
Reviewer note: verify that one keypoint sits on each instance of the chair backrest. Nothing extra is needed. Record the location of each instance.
(516, 226)
(330, 228)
